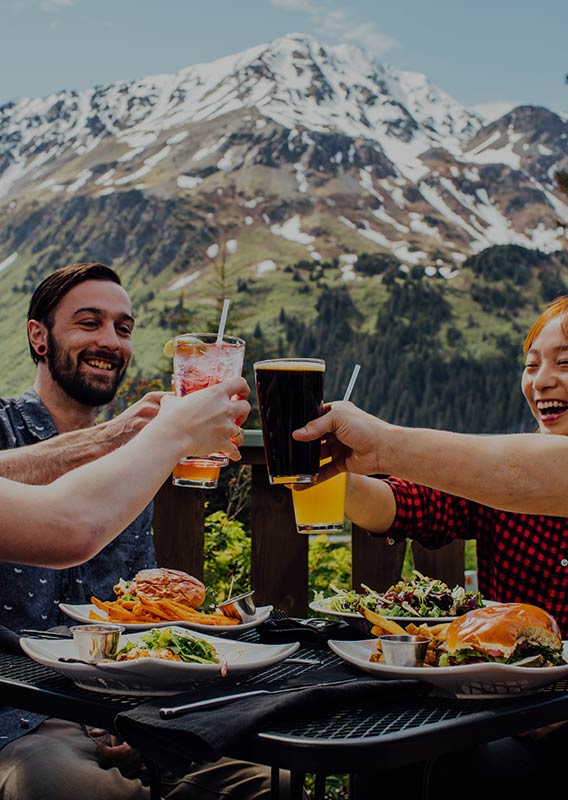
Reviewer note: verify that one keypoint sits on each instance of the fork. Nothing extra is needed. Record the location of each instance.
(278, 614)
(176, 711)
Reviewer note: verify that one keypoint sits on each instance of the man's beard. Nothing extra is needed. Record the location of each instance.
(85, 389)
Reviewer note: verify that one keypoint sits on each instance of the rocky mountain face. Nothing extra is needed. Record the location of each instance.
(316, 145)
(289, 153)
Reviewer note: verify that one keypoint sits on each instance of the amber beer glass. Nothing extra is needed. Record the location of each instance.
(290, 394)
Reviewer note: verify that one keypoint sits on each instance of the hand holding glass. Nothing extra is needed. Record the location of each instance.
(199, 361)
(321, 507)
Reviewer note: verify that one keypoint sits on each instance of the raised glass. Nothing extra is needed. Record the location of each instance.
(200, 362)
(290, 394)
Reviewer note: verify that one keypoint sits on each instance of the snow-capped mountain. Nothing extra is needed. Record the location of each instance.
(320, 145)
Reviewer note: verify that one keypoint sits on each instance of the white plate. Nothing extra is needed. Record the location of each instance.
(475, 681)
(153, 676)
(323, 607)
(80, 613)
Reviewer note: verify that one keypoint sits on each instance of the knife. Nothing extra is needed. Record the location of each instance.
(45, 634)
(213, 702)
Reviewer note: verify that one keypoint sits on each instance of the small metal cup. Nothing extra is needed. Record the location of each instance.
(96, 642)
(404, 650)
(241, 607)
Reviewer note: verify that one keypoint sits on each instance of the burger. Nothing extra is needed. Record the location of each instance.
(504, 633)
(163, 584)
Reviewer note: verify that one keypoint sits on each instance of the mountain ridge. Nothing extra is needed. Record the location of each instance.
(219, 180)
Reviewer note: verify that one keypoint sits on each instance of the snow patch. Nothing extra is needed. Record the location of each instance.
(80, 180)
(185, 281)
(8, 261)
(188, 181)
(265, 266)
(177, 137)
(291, 230)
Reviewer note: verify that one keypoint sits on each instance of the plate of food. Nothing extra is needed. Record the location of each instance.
(162, 597)
(494, 652)
(160, 661)
(419, 599)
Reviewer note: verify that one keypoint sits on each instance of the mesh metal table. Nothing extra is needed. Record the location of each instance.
(394, 734)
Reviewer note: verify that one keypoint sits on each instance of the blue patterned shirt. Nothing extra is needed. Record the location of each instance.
(29, 596)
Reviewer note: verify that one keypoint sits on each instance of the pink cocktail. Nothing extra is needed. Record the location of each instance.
(200, 362)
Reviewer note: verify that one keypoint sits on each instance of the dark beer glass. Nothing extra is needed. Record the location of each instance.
(290, 394)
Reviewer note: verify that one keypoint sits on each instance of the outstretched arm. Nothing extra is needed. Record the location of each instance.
(45, 461)
(514, 472)
(369, 503)
(73, 518)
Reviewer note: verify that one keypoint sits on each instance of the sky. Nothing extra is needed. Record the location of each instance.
(489, 55)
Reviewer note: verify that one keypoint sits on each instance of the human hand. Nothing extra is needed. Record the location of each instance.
(351, 438)
(113, 752)
(210, 418)
(123, 427)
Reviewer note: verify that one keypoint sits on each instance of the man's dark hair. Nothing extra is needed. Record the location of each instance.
(53, 288)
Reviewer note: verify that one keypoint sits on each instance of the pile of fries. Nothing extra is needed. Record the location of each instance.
(144, 610)
(436, 634)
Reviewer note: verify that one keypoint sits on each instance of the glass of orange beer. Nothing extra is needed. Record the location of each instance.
(200, 362)
(321, 507)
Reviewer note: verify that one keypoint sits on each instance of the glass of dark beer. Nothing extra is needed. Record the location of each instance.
(290, 394)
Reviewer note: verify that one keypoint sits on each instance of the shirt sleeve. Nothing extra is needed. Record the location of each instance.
(7, 438)
(429, 516)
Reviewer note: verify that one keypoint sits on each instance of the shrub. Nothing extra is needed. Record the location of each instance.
(227, 557)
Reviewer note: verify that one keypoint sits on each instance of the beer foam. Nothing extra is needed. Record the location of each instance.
(292, 364)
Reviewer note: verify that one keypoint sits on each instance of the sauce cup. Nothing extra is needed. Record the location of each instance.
(404, 650)
(241, 607)
(96, 642)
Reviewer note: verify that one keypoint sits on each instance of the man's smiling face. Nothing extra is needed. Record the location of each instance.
(89, 344)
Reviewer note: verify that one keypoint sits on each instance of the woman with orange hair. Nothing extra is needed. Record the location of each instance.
(521, 557)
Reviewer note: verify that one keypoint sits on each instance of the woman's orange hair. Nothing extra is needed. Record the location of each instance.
(558, 308)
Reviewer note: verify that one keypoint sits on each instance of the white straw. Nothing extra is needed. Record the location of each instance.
(352, 380)
(223, 322)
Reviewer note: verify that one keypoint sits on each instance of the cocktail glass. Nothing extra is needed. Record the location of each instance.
(200, 362)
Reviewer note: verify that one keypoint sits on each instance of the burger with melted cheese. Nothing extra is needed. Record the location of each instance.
(163, 584)
(503, 633)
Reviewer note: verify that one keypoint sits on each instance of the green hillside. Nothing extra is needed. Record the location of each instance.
(434, 351)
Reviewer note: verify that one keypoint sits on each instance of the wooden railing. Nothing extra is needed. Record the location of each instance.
(279, 556)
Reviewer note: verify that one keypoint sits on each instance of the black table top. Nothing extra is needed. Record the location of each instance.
(343, 741)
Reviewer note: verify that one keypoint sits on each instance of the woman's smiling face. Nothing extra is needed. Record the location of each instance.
(545, 377)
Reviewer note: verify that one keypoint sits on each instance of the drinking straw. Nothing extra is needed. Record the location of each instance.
(223, 322)
(352, 380)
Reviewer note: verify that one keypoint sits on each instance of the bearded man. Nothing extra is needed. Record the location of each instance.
(80, 324)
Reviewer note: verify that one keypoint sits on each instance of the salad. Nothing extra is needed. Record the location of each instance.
(171, 645)
(417, 597)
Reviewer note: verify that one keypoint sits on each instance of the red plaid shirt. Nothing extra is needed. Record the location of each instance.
(520, 558)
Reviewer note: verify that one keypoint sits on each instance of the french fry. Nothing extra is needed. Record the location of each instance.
(439, 631)
(102, 605)
(192, 615)
(387, 625)
(97, 617)
(145, 610)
